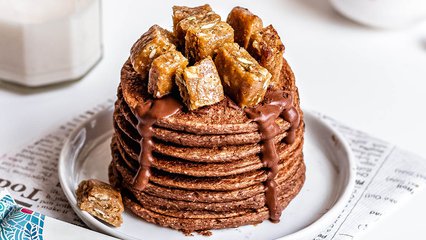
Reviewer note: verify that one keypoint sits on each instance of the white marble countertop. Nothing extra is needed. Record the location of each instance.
(373, 80)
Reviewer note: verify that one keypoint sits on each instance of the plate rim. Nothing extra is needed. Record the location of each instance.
(310, 229)
(348, 188)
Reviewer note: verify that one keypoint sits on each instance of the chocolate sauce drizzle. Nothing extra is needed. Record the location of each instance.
(277, 103)
(147, 114)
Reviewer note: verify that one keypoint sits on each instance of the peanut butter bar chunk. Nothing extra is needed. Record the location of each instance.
(244, 24)
(150, 45)
(101, 200)
(200, 85)
(243, 79)
(186, 17)
(203, 40)
(162, 72)
(192, 21)
(266, 47)
(182, 12)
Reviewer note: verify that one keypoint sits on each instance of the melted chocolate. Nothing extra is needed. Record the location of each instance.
(277, 103)
(147, 114)
(292, 116)
(232, 104)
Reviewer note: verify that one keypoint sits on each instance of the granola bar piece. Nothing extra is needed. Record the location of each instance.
(266, 47)
(243, 79)
(203, 41)
(182, 12)
(192, 21)
(244, 24)
(200, 85)
(162, 72)
(150, 45)
(101, 200)
(186, 17)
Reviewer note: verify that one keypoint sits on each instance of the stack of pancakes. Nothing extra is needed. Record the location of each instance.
(207, 171)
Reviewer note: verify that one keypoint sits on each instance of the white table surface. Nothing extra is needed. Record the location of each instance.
(373, 80)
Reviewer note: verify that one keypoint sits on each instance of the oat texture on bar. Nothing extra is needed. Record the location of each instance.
(100, 200)
(150, 45)
(203, 40)
(244, 24)
(266, 47)
(162, 72)
(243, 79)
(200, 85)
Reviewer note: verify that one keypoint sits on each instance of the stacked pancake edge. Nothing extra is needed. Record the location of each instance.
(207, 171)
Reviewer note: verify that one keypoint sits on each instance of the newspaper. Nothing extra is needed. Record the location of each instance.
(30, 174)
(386, 176)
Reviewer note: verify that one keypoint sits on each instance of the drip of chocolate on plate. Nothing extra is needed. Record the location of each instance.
(277, 103)
(147, 114)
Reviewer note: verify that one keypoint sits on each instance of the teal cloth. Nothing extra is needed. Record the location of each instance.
(18, 223)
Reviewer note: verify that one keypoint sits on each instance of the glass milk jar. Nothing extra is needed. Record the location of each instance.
(48, 41)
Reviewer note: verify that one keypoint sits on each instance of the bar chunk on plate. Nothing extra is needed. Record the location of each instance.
(200, 85)
(244, 24)
(100, 200)
(150, 45)
(203, 40)
(243, 79)
(162, 72)
(266, 47)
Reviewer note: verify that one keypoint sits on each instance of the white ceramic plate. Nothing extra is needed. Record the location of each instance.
(329, 183)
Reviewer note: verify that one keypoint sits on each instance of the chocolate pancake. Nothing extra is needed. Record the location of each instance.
(292, 172)
(195, 154)
(219, 192)
(127, 113)
(193, 140)
(179, 166)
(201, 196)
(221, 118)
(187, 224)
(196, 224)
(118, 155)
(219, 210)
(226, 183)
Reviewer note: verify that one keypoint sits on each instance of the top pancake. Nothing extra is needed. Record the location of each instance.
(221, 118)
